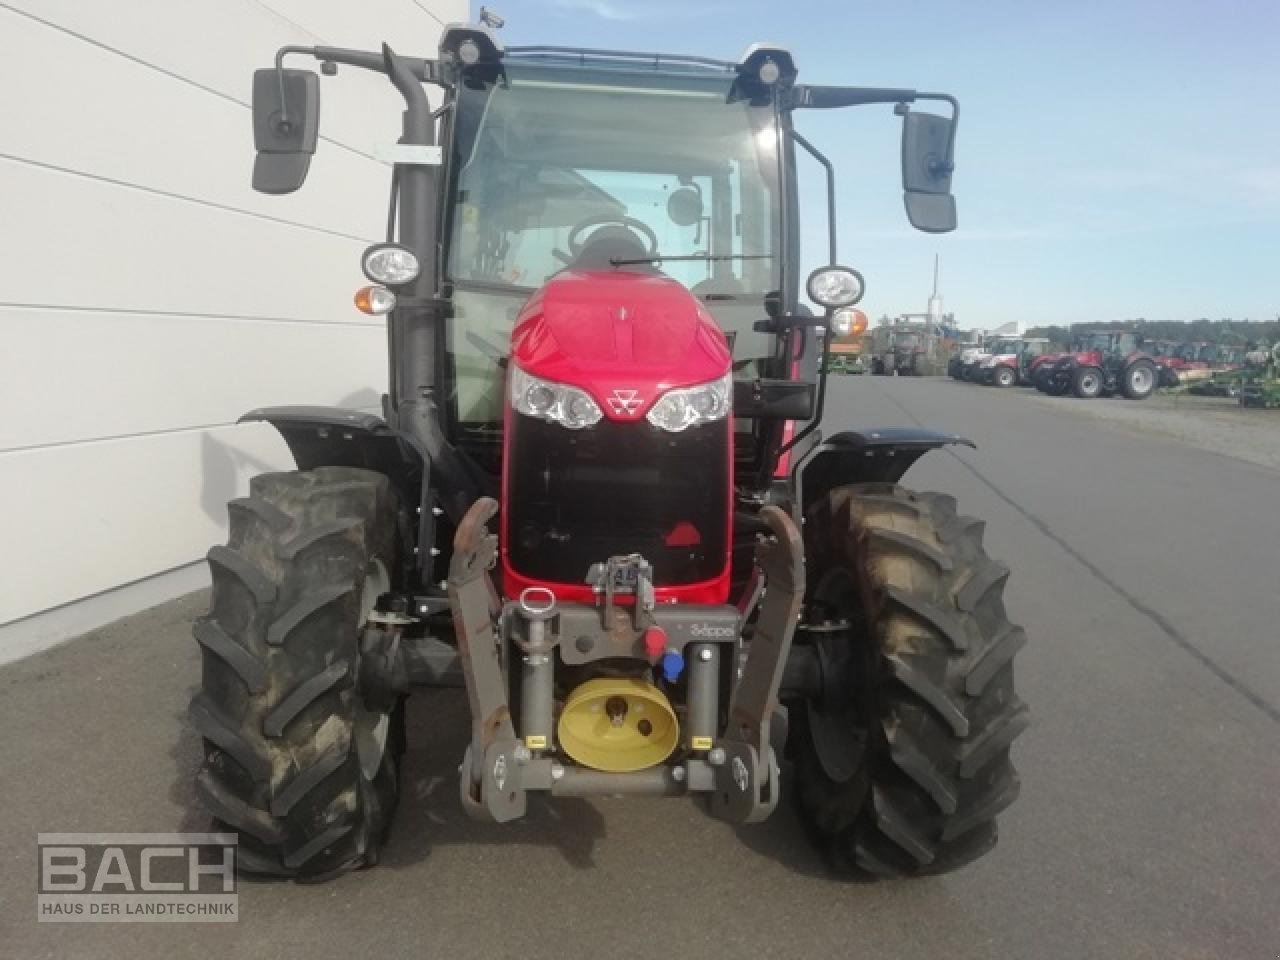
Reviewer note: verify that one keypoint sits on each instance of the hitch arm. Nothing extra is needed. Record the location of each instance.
(490, 772)
(747, 781)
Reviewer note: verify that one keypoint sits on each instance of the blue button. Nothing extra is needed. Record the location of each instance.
(672, 665)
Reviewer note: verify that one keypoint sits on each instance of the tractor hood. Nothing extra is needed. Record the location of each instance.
(624, 336)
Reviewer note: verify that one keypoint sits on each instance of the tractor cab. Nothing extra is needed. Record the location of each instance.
(568, 189)
(1110, 343)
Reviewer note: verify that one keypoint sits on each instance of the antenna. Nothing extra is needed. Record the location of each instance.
(935, 274)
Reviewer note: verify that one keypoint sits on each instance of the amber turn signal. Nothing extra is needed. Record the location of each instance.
(374, 300)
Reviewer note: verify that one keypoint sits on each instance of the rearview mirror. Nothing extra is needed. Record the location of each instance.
(284, 133)
(684, 206)
(926, 171)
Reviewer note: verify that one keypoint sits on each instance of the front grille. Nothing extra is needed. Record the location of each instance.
(578, 497)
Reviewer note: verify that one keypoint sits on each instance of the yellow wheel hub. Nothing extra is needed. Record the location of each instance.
(618, 725)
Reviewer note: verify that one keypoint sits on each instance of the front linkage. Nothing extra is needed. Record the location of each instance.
(736, 765)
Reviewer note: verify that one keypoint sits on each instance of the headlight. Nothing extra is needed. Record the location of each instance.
(688, 406)
(835, 286)
(390, 263)
(553, 402)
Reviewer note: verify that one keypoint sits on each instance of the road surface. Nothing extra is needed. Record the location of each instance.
(1145, 572)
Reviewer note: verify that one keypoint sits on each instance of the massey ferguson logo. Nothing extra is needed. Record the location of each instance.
(625, 402)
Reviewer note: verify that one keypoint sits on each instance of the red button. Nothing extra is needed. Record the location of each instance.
(655, 641)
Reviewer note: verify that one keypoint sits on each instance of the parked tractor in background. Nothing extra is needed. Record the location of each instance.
(971, 360)
(1010, 361)
(963, 354)
(1041, 370)
(598, 493)
(904, 350)
(845, 350)
(1109, 362)
(1171, 357)
(1261, 384)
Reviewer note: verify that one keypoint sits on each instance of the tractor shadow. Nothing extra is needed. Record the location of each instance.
(430, 813)
(783, 838)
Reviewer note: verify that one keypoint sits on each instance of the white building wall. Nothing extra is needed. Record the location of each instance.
(148, 296)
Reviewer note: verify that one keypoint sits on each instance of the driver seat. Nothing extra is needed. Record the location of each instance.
(610, 242)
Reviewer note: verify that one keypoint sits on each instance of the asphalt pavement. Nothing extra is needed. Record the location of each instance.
(1145, 571)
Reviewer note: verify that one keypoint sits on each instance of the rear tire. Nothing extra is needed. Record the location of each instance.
(296, 762)
(925, 715)
(1087, 383)
(1139, 380)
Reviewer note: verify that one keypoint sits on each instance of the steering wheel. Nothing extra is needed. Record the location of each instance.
(577, 242)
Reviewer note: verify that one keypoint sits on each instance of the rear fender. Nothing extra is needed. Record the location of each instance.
(869, 456)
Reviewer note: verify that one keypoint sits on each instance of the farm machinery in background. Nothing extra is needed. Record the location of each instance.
(963, 352)
(1182, 363)
(906, 350)
(969, 355)
(1040, 369)
(847, 343)
(1260, 384)
(1104, 363)
(1009, 363)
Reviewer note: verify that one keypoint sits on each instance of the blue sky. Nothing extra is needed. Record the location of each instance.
(1114, 160)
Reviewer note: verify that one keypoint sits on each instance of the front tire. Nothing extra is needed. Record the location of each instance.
(904, 764)
(296, 762)
(1005, 377)
(1087, 383)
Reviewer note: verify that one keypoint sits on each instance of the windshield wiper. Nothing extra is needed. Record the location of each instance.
(700, 257)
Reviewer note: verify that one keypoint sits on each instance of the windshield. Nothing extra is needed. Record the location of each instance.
(1005, 346)
(555, 153)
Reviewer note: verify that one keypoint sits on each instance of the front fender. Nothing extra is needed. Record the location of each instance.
(864, 456)
(334, 437)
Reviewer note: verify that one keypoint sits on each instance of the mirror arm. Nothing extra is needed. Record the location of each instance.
(405, 72)
(947, 166)
(831, 191)
(825, 98)
(283, 124)
(805, 96)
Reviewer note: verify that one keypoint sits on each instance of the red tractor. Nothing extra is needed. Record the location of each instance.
(1107, 363)
(1040, 372)
(1011, 361)
(598, 493)
(1171, 357)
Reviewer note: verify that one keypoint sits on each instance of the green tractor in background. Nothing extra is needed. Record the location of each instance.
(1261, 384)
